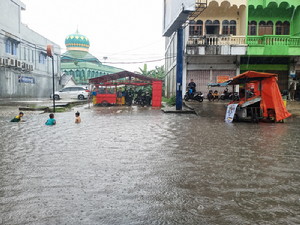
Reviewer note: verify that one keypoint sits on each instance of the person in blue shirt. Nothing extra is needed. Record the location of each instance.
(51, 120)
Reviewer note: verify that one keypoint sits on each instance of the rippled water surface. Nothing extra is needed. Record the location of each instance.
(141, 166)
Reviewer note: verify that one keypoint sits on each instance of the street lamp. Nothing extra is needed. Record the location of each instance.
(50, 54)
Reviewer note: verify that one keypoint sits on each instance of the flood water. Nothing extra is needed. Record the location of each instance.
(141, 166)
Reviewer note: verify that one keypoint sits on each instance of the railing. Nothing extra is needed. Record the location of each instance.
(200, 6)
(217, 40)
(275, 40)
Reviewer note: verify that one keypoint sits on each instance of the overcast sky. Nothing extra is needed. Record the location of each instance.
(124, 31)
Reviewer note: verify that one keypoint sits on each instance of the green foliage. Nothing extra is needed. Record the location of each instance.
(158, 72)
(170, 101)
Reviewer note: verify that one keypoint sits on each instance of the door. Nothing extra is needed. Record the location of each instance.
(200, 77)
(64, 93)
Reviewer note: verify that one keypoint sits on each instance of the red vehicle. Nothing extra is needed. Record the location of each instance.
(104, 96)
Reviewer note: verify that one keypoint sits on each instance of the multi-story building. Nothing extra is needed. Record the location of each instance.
(224, 38)
(25, 69)
(79, 63)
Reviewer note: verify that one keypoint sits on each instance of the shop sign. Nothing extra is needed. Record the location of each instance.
(222, 79)
(25, 79)
(231, 109)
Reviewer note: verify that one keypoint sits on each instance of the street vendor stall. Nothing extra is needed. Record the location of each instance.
(123, 79)
(260, 99)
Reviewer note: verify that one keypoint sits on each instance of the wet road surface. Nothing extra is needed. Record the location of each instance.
(141, 166)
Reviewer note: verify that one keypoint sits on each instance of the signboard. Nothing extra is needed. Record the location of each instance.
(176, 13)
(222, 79)
(25, 79)
(230, 112)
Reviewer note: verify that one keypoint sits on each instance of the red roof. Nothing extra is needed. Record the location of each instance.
(115, 76)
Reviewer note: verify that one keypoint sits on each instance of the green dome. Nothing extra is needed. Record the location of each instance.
(77, 41)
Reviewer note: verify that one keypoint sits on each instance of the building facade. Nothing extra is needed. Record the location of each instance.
(79, 63)
(226, 38)
(25, 69)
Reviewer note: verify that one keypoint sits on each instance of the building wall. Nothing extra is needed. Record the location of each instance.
(203, 62)
(170, 65)
(30, 75)
(204, 68)
(226, 11)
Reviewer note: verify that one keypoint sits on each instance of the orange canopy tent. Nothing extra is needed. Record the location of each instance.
(265, 85)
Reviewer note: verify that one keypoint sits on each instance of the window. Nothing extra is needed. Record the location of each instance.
(11, 46)
(32, 56)
(42, 58)
(252, 28)
(232, 27)
(225, 27)
(25, 55)
(229, 27)
(282, 28)
(28, 54)
(212, 27)
(66, 89)
(286, 28)
(196, 28)
(265, 28)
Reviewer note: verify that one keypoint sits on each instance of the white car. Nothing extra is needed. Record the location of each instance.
(72, 92)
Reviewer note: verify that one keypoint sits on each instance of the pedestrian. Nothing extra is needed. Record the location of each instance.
(77, 117)
(125, 95)
(292, 90)
(216, 95)
(51, 120)
(18, 118)
(119, 96)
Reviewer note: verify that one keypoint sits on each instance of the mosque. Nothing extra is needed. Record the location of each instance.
(79, 63)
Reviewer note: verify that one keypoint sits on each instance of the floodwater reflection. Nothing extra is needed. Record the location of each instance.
(140, 166)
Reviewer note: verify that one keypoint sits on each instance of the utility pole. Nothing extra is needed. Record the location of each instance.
(179, 69)
(50, 54)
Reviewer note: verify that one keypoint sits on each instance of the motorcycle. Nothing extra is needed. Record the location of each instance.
(225, 95)
(234, 96)
(189, 95)
(143, 99)
(229, 95)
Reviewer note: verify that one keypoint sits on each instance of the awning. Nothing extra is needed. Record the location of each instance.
(250, 76)
(110, 78)
(224, 84)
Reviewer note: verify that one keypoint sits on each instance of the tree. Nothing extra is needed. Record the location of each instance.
(158, 72)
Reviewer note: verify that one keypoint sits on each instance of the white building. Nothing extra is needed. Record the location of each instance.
(25, 69)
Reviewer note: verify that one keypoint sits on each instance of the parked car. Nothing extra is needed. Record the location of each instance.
(78, 92)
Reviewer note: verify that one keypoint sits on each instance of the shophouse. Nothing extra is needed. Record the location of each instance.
(25, 69)
(273, 39)
(226, 38)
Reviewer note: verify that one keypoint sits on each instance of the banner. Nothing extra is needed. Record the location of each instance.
(230, 112)
(222, 79)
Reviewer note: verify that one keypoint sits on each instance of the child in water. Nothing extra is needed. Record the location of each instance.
(51, 120)
(18, 118)
(77, 117)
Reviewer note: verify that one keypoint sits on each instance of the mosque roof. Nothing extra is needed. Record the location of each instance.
(78, 56)
(77, 41)
(90, 66)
